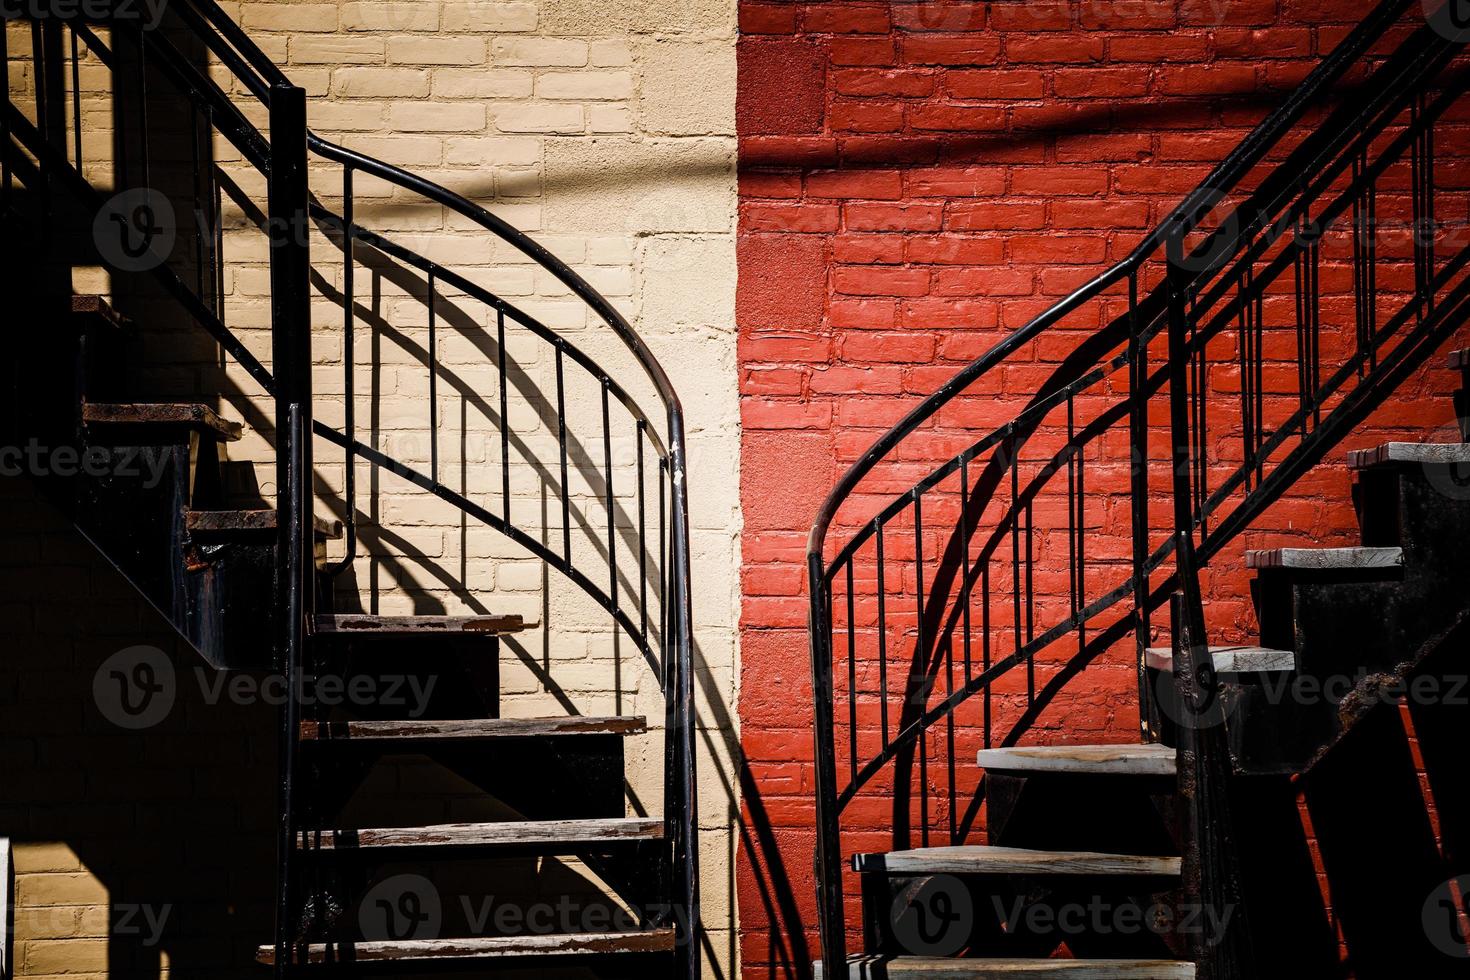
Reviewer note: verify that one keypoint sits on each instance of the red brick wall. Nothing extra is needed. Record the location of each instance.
(918, 180)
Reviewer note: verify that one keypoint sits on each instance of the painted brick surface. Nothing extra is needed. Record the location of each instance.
(952, 170)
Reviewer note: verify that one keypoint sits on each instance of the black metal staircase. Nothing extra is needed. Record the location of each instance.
(250, 584)
(1205, 376)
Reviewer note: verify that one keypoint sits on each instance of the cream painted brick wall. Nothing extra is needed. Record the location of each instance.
(607, 131)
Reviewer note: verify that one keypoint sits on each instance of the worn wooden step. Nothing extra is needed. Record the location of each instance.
(356, 624)
(1410, 454)
(207, 523)
(1325, 559)
(974, 859)
(922, 968)
(1459, 360)
(486, 947)
(1231, 659)
(474, 728)
(135, 416)
(94, 311)
(1110, 760)
(540, 834)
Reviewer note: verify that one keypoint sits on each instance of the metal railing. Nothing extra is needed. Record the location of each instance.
(1029, 553)
(653, 610)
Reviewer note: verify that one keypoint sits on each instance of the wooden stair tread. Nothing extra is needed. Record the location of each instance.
(1325, 559)
(355, 624)
(1122, 760)
(1459, 360)
(474, 728)
(486, 947)
(984, 859)
(246, 521)
(1409, 453)
(1231, 659)
(200, 418)
(96, 310)
(530, 833)
(924, 968)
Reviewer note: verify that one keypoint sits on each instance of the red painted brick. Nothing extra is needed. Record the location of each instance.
(845, 18)
(1058, 181)
(1219, 13)
(785, 282)
(902, 348)
(995, 216)
(1211, 80)
(1159, 48)
(879, 281)
(767, 18)
(1032, 15)
(865, 116)
(1129, 15)
(996, 83)
(959, 49)
(865, 81)
(1053, 49)
(945, 16)
(861, 51)
(805, 218)
(787, 151)
(870, 184)
(1091, 83)
(957, 117)
(893, 217)
(949, 182)
(955, 250)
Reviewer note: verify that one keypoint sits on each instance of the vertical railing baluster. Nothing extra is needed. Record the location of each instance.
(561, 429)
(504, 416)
(1138, 499)
(1072, 505)
(882, 639)
(642, 539)
(76, 100)
(194, 195)
(1030, 605)
(143, 131)
(612, 514)
(852, 712)
(1015, 518)
(349, 362)
(433, 381)
(966, 583)
(986, 656)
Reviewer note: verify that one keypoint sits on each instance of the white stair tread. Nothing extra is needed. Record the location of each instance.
(1409, 452)
(486, 947)
(530, 833)
(472, 728)
(1232, 659)
(1131, 760)
(922, 968)
(1325, 559)
(984, 859)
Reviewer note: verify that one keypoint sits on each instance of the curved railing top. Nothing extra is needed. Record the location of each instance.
(259, 74)
(1184, 218)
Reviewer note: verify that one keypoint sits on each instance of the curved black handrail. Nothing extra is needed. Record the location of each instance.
(1201, 289)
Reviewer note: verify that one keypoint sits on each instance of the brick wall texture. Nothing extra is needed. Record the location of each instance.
(917, 180)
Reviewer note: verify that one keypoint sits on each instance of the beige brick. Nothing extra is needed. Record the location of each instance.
(381, 15)
(380, 83)
(482, 150)
(428, 117)
(312, 50)
(66, 956)
(609, 85)
(403, 151)
(59, 889)
(539, 117)
(667, 105)
(610, 53)
(291, 18)
(436, 50)
(485, 16)
(609, 119)
(44, 856)
(458, 83)
(539, 52)
(346, 116)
